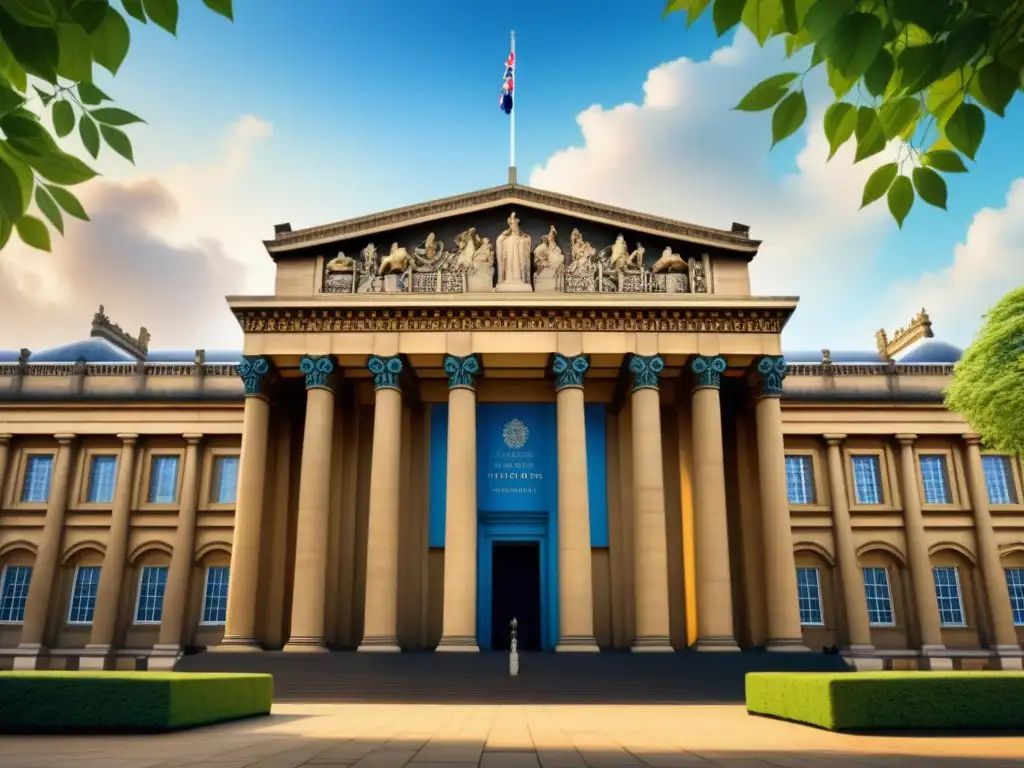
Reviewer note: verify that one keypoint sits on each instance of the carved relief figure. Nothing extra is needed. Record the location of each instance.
(618, 260)
(669, 262)
(396, 261)
(700, 283)
(547, 256)
(341, 263)
(483, 258)
(514, 248)
(429, 255)
(466, 244)
(582, 254)
(635, 260)
(369, 265)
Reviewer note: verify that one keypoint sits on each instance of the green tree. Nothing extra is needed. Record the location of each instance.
(47, 52)
(988, 382)
(922, 72)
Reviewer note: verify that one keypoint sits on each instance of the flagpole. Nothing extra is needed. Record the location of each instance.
(512, 122)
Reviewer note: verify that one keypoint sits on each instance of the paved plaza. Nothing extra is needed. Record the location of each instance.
(507, 736)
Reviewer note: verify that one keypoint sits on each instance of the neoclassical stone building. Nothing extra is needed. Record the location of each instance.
(511, 408)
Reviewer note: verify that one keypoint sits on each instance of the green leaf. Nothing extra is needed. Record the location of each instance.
(5, 230)
(727, 14)
(824, 15)
(90, 135)
(67, 201)
(901, 199)
(927, 14)
(33, 232)
(46, 204)
(966, 41)
(853, 44)
(118, 141)
(966, 128)
(34, 145)
(63, 118)
(767, 93)
(75, 58)
(89, 14)
(694, 12)
(223, 7)
(788, 116)
(15, 185)
(110, 41)
(840, 120)
(673, 6)
(840, 85)
(114, 116)
(31, 13)
(878, 183)
(945, 96)
(930, 187)
(761, 17)
(163, 13)
(11, 70)
(134, 9)
(897, 115)
(945, 160)
(921, 65)
(44, 97)
(878, 75)
(89, 94)
(34, 48)
(999, 83)
(798, 42)
(10, 99)
(870, 135)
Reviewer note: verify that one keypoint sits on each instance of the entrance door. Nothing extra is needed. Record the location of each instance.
(515, 592)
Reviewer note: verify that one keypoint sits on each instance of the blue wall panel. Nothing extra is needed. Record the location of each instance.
(438, 472)
(597, 474)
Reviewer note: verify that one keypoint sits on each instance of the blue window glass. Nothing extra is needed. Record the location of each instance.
(225, 479)
(808, 587)
(1015, 583)
(999, 479)
(38, 471)
(879, 597)
(163, 480)
(800, 479)
(14, 592)
(215, 601)
(867, 479)
(152, 585)
(935, 479)
(102, 479)
(83, 594)
(947, 592)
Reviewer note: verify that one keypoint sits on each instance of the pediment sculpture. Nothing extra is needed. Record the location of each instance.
(341, 264)
(396, 262)
(513, 249)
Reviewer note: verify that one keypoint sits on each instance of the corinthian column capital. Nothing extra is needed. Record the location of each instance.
(462, 371)
(387, 371)
(257, 375)
(708, 371)
(770, 372)
(646, 370)
(318, 371)
(569, 371)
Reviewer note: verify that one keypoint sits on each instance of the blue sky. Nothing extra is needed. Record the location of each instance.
(377, 105)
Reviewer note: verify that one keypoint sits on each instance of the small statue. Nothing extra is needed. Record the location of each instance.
(513, 247)
(369, 266)
(619, 258)
(341, 263)
(429, 254)
(669, 262)
(397, 261)
(635, 260)
(548, 258)
(483, 259)
(582, 254)
(466, 244)
(700, 283)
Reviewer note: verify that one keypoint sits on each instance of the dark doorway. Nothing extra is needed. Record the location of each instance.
(515, 585)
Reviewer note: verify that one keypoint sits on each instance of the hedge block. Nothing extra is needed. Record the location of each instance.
(122, 702)
(850, 701)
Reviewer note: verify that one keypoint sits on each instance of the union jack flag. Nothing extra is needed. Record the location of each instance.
(507, 85)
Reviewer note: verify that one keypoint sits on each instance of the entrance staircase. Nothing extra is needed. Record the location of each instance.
(482, 678)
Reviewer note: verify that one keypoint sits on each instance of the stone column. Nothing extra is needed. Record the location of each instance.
(922, 580)
(1007, 648)
(309, 590)
(172, 623)
(458, 623)
(108, 593)
(575, 574)
(650, 542)
(851, 577)
(710, 523)
(784, 633)
(380, 622)
(44, 570)
(5, 442)
(240, 627)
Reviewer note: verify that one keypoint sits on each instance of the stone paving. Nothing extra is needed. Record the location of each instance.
(507, 736)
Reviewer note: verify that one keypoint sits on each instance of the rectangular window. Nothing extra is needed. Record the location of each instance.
(879, 597)
(999, 479)
(163, 480)
(800, 479)
(38, 470)
(867, 479)
(947, 592)
(102, 479)
(152, 584)
(14, 592)
(935, 479)
(225, 479)
(215, 599)
(808, 588)
(83, 594)
(1015, 583)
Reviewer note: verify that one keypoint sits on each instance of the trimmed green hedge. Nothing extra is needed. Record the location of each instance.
(60, 702)
(850, 701)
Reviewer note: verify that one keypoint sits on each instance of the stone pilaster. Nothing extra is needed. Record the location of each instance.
(257, 375)
(575, 575)
(309, 590)
(5, 450)
(710, 524)
(458, 623)
(784, 633)
(649, 535)
(380, 623)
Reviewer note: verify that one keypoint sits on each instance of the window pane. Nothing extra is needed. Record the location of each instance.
(215, 602)
(808, 589)
(152, 584)
(935, 480)
(102, 478)
(867, 480)
(37, 479)
(83, 595)
(879, 597)
(947, 592)
(163, 480)
(225, 479)
(14, 592)
(1015, 583)
(999, 479)
(800, 479)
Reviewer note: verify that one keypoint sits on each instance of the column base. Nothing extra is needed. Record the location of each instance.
(96, 658)
(933, 658)
(577, 644)
(379, 645)
(163, 657)
(862, 658)
(30, 656)
(305, 645)
(243, 643)
(786, 645)
(712, 643)
(652, 644)
(458, 643)
(1009, 657)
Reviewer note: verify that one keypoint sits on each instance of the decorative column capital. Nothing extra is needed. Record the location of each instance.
(193, 439)
(255, 372)
(387, 371)
(128, 438)
(771, 370)
(835, 439)
(569, 371)
(318, 371)
(646, 370)
(906, 439)
(6, 438)
(972, 439)
(462, 371)
(708, 371)
(64, 439)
